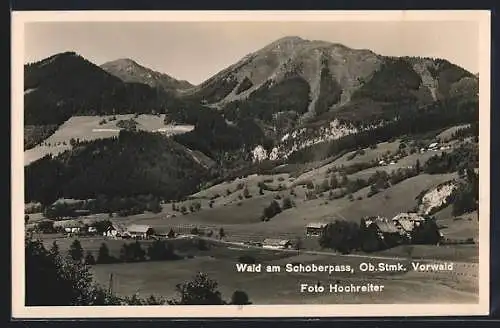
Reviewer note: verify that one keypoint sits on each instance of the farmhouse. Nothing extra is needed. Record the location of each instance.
(315, 228)
(73, 227)
(114, 230)
(276, 244)
(379, 233)
(407, 222)
(140, 231)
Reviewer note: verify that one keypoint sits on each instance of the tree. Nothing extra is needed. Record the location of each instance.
(54, 250)
(261, 191)
(222, 233)
(426, 233)
(89, 259)
(160, 250)
(417, 167)
(343, 236)
(287, 203)
(76, 251)
(132, 252)
(26, 219)
(171, 234)
(310, 185)
(200, 291)
(202, 245)
(240, 298)
(334, 183)
(325, 185)
(272, 210)
(51, 281)
(103, 254)
(246, 193)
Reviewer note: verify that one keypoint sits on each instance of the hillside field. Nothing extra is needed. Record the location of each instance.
(160, 278)
(88, 128)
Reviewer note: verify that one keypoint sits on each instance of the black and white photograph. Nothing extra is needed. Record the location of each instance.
(270, 163)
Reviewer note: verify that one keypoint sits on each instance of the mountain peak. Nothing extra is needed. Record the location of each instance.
(288, 41)
(128, 70)
(290, 38)
(123, 62)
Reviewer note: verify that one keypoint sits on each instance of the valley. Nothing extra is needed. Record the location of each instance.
(380, 153)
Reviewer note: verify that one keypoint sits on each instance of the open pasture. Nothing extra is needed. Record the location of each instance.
(160, 278)
(97, 127)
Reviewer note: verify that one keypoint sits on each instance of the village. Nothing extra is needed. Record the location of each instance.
(376, 232)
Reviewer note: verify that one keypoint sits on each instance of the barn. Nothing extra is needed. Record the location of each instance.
(277, 244)
(140, 231)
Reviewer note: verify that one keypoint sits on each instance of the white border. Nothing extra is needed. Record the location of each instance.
(357, 310)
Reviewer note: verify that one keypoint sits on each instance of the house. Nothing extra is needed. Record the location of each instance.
(433, 146)
(115, 230)
(140, 231)
(315, 228)
(379, 233)
(73, 227)
(276, 244)
(406, 222)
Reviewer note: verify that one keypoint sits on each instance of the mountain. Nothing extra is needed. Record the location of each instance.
(311, 78)
(67, 84)
(302, 92)
(128, 70)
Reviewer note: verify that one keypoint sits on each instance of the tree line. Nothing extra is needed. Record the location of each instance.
(96, 168)
(53, 279)
(348, 236)
(410, 120)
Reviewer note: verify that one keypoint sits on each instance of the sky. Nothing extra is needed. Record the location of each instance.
(194, 51)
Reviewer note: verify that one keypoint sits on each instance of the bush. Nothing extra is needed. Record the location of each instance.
(272, 210)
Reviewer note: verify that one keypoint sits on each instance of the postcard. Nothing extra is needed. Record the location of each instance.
(250, 164)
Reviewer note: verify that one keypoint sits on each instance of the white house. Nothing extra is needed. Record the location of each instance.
(315, 228)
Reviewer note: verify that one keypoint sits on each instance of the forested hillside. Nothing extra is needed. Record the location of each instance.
(135, 163)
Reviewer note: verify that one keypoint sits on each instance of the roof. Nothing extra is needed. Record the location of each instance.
(117, 227)
(406, 224)
(69, 224)
(141, 228)
(434, 144)
(318, 225)
(276, 242)
(408, 216)
(386, 226)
